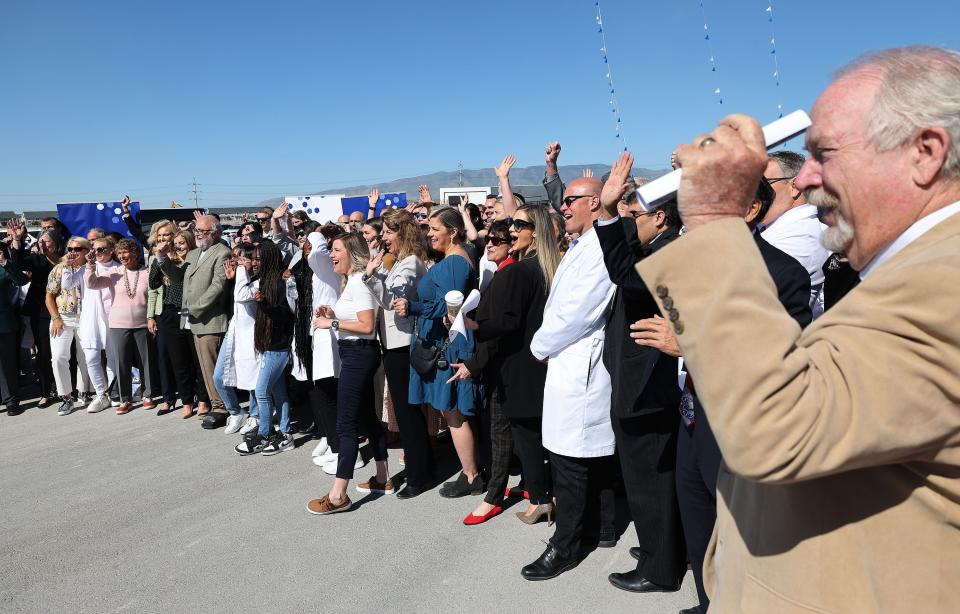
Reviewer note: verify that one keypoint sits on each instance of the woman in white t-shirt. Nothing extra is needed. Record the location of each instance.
(354, 319)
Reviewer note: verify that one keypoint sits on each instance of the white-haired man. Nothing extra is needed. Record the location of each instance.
(841, 442)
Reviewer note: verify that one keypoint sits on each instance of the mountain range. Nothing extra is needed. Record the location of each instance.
(528, 175)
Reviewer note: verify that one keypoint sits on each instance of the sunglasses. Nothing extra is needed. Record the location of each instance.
(519, 225)
(301, 234)
(569, 200)
(421, 216)
(497, 241)
(263, 220)
(75, 249)
(101, 250)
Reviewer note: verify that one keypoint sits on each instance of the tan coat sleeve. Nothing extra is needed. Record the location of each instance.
(873, 381)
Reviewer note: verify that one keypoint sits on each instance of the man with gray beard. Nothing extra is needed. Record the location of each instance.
(840, 489)
(204, 280)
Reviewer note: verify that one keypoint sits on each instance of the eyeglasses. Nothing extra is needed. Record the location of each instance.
(202, 233)
(635, 214)
(570, 199)
(301, 234)
(519, 225)
(421, 216)
(497, 241)
(263, 220)
(101, 250)
(773, 180)
(75, 249)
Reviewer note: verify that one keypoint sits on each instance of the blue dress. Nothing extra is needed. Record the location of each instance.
(451, 273)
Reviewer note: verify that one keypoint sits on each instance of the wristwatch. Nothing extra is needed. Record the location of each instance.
(335, 324)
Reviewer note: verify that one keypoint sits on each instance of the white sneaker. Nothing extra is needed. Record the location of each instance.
(325, 458)
(250, 425)
(331, 467)
(234, 422)
(99, 403)
(322, 447)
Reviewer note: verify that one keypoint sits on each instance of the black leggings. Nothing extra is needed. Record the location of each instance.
(40, 327)
(175, 358)
(323, 401)
(417, 451)
(10, 369)
(358, 365)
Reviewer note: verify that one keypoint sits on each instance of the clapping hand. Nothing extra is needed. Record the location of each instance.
(401, 306)
(325, 311)
(375, 263)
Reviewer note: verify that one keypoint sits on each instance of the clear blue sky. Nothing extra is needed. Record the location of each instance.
(261, 99)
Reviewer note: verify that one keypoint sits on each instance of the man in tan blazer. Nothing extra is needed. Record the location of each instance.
(841, 485)
(204, 279)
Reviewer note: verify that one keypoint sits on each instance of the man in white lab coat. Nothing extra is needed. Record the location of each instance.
(576, 400)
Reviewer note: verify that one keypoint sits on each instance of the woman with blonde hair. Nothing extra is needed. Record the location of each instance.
(63, 304)
(354, 320)
(401, 238)
(174, 344)
(162, 231)
(508, 315)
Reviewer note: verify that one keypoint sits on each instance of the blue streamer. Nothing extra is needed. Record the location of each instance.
(712, 60)
(773, 52)
(614, 107)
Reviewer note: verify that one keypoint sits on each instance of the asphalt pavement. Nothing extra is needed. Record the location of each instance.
(140, 513)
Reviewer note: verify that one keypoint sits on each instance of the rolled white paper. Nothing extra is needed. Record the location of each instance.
(774, 133)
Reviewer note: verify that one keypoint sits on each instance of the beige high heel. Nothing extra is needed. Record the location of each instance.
(543, 509)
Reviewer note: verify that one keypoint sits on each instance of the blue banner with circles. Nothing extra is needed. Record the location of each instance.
(79, 218)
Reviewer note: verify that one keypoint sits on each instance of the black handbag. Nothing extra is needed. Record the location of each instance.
(425, 358)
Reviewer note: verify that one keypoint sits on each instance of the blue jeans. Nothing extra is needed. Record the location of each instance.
(228, 394)
(272, 390)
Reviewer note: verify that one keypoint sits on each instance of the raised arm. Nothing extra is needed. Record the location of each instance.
(551, 178)
(503, 178)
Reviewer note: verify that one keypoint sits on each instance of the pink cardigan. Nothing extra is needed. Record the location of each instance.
(126, 312)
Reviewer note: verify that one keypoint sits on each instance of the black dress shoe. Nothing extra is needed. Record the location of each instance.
(607, 543)
(636, 553)
(16, 410)
(635, 583)
(462, 486)
(693, 610)
(549, 565)
(214, 421)
(409, 492)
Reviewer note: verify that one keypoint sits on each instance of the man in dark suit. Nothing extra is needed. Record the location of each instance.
(644, 396)
(698, 455)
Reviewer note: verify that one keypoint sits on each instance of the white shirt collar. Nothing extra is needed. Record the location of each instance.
(917, 230)
(795, 213)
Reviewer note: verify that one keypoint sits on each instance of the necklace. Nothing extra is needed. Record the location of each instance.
(126, 283)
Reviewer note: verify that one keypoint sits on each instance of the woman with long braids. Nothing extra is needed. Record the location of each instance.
(402, 240)
(508, 315)
(316, 358)
(129, 283)
(272, 336)
(354, 320)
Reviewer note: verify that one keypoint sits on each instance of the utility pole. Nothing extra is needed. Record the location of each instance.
(460, 173)
(196, 194)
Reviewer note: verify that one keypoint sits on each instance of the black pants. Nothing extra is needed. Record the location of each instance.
(175, 357)
(501, 450)
(10, 369)
(698, 464)
(323, 401)
(417, 451)
(584, 492)
(40, 327)
(528, 445)
(647, 447)
(355, 409)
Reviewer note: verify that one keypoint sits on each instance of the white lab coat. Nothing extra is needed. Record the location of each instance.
(576, 397)
(241, 363)
(94, 307)
(326, 291)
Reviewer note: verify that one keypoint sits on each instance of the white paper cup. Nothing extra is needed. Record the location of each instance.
(454, 300)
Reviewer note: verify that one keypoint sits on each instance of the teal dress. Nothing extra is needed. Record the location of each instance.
(429, 306)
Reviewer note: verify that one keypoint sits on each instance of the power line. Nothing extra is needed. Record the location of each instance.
(196, 194)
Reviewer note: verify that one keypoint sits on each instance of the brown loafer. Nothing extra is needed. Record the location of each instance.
(323, 505)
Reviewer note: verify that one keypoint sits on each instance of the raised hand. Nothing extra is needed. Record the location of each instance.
(281, 211)
(588, 172)
(373, 197)
(16, 229)
(504, 169)
(162, 249)
(197, 215)
(551, 154)
(616, 184)
(673, 161)
(91, 259)
(230, 268)
(374, 263)
(425, 196)
(125, 203)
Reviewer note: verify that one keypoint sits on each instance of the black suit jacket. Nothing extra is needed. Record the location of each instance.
(791, 279)
(643, 379)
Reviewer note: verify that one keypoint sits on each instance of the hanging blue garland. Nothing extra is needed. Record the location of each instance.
(614, 107)
(713, 60)
(773, 52)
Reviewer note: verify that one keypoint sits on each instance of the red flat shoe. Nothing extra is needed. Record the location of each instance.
(124, 408)
(515, 492)
(472, 520)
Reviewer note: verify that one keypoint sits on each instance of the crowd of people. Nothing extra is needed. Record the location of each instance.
(577, 367)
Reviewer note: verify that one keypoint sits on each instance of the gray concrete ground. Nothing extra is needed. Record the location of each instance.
(139, 513)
